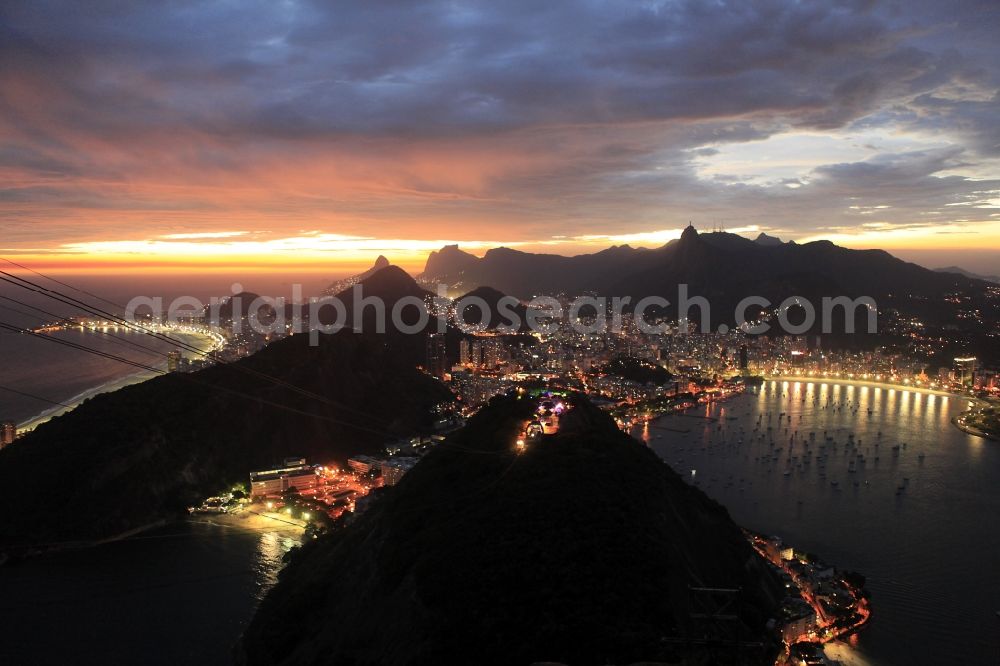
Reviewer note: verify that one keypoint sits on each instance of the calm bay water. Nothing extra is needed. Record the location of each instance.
(183, 594)
(178, 595)
(930, 552)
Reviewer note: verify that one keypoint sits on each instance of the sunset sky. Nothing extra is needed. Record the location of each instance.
(296, 136)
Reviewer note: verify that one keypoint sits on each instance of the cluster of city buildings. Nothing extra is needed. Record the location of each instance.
(963, 375)
(334, 490)
(489, 364)
(820, 603)
(306, 491)
(389, 468)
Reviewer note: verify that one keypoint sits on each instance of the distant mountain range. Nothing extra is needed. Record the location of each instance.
(722, 267)
(969, 274)
(582, 550)
(711, 261)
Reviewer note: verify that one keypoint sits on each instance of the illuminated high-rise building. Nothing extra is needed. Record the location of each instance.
(437, 359)
(8, 431)
(965, 370)
(492, 353)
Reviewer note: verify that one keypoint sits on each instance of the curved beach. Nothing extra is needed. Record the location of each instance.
(201, 342)
(861, 382)
(959, 420)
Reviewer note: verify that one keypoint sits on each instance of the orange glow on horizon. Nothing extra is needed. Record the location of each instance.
(955, 236)
(313, 252)
(221, 265)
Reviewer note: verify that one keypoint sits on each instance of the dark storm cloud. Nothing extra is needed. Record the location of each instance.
(289, 67)
(622, 96)
(905, 181)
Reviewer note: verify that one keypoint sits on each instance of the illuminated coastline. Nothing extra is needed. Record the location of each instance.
(959, 421)
(207, 340)
(853, 381)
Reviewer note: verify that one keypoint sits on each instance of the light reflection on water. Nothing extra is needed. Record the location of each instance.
(179, 594)
(271, 549)
(929, 552)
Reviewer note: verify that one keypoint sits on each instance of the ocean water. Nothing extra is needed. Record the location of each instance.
(931, 553)
(61, 374)
(57, 373)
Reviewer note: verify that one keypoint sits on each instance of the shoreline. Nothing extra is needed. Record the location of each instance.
(828, 625)
(959, 421)
(78, 399)
(111, 386)
(246, 520)
(861, 382)
(249, 520)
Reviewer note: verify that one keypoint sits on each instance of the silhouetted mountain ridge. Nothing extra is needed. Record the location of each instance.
(721, 266)
(340, 285)
(764, 239)
(494, 299)
(969, 274)
(448, 261)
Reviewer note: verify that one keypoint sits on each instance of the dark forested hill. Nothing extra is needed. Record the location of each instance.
(125, 459)
(580, 550)
(499, 309)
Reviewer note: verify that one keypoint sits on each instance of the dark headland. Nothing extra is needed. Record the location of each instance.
(583, 549)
